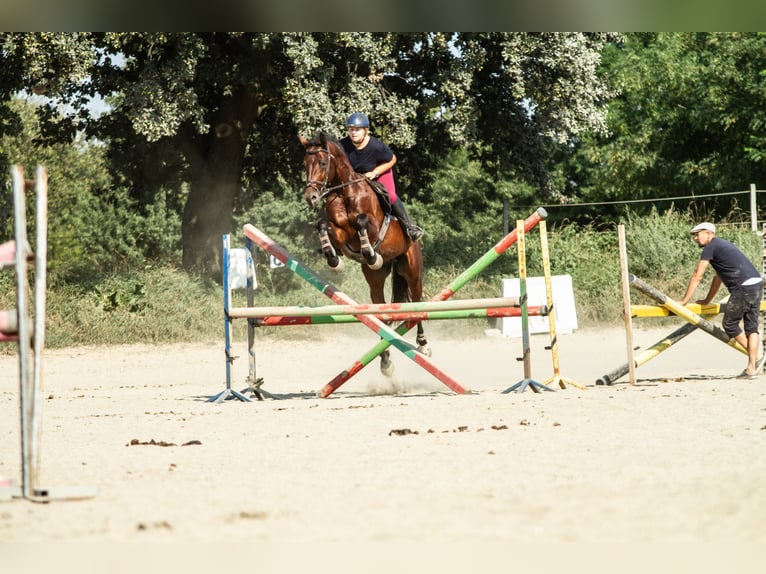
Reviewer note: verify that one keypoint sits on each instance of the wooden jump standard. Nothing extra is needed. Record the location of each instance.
(695, 314)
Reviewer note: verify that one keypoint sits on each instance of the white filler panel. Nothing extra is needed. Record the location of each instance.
(563, 305)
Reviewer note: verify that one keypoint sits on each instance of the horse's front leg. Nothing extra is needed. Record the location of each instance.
(335, 262)
(372, 257)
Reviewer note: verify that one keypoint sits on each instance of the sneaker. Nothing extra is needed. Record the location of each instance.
(745, 375)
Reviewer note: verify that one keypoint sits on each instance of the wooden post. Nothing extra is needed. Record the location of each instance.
(626, 302)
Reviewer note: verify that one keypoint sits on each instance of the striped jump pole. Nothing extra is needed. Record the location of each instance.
(678, 309)
(659, 311)
(660, 346)
(372, 308)
(448, 291)
(375, 324)
(495, 312)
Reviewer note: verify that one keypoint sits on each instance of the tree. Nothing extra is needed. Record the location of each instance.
(212, 117)
(689, 120)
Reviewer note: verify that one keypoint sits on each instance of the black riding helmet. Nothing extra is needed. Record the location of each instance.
(358, 120)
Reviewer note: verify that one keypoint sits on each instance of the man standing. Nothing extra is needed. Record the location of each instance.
(745, 286)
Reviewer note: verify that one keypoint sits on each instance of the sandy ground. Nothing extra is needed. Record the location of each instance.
(677, 458)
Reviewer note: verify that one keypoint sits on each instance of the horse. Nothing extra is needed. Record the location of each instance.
(356, 225)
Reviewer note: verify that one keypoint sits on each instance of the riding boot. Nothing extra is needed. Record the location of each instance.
(413, 231)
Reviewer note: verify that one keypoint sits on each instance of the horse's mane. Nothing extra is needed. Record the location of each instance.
(316, 139)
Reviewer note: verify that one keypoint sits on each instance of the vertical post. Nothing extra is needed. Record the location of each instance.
(753, 209)
(26, 398)
(527, 381)
(522, 257)
(626, 302)
(226, 260)
(763, 315)
(228, 392)
(252, 378)
(41, 258)
(554, 346)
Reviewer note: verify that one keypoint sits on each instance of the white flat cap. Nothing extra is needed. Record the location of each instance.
(704, 226)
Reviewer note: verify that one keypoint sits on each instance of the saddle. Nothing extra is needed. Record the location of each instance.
(382, 193)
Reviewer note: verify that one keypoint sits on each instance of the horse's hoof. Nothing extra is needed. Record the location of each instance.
(337, 268)
(387, 367)
(425, 349)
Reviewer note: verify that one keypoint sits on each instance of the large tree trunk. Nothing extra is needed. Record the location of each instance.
(207, 216)
(215, 161)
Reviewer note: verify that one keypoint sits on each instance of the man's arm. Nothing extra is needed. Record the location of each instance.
(696, 279)
(713, 290)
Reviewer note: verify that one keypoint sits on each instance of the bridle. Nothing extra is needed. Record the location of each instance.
(321, 186)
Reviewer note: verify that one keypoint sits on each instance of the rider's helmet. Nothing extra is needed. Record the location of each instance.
(358, 120)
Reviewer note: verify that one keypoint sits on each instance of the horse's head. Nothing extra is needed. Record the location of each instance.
(320, 168)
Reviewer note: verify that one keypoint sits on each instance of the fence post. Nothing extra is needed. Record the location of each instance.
(753, 209)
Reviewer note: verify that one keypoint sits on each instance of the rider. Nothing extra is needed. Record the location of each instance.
(374, 159)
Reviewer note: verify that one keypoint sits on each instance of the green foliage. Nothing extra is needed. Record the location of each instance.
(94, 228)
(156, 305)
(466, 208)
(591, 257)
(689, 120)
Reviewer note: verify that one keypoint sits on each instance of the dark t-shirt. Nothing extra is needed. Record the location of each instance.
(369, 157)
(732, 266)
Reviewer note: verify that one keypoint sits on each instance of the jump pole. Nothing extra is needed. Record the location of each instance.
(491, 313)
(448, 291)
(527, 381)
(648, 354)
(373, 308)
(660, 311)
(678, 309)
(556, 378)
(376, 325)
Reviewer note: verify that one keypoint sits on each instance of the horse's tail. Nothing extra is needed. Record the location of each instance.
(400, 291)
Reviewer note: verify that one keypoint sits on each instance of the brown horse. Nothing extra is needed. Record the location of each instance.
(356, 226)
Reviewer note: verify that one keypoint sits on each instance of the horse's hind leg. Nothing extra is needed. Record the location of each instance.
(376, 280)
(386, 364)
(407, 285)
(335, 262)
(422, 341)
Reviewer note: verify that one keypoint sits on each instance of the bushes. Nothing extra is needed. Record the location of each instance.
(162, 304)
